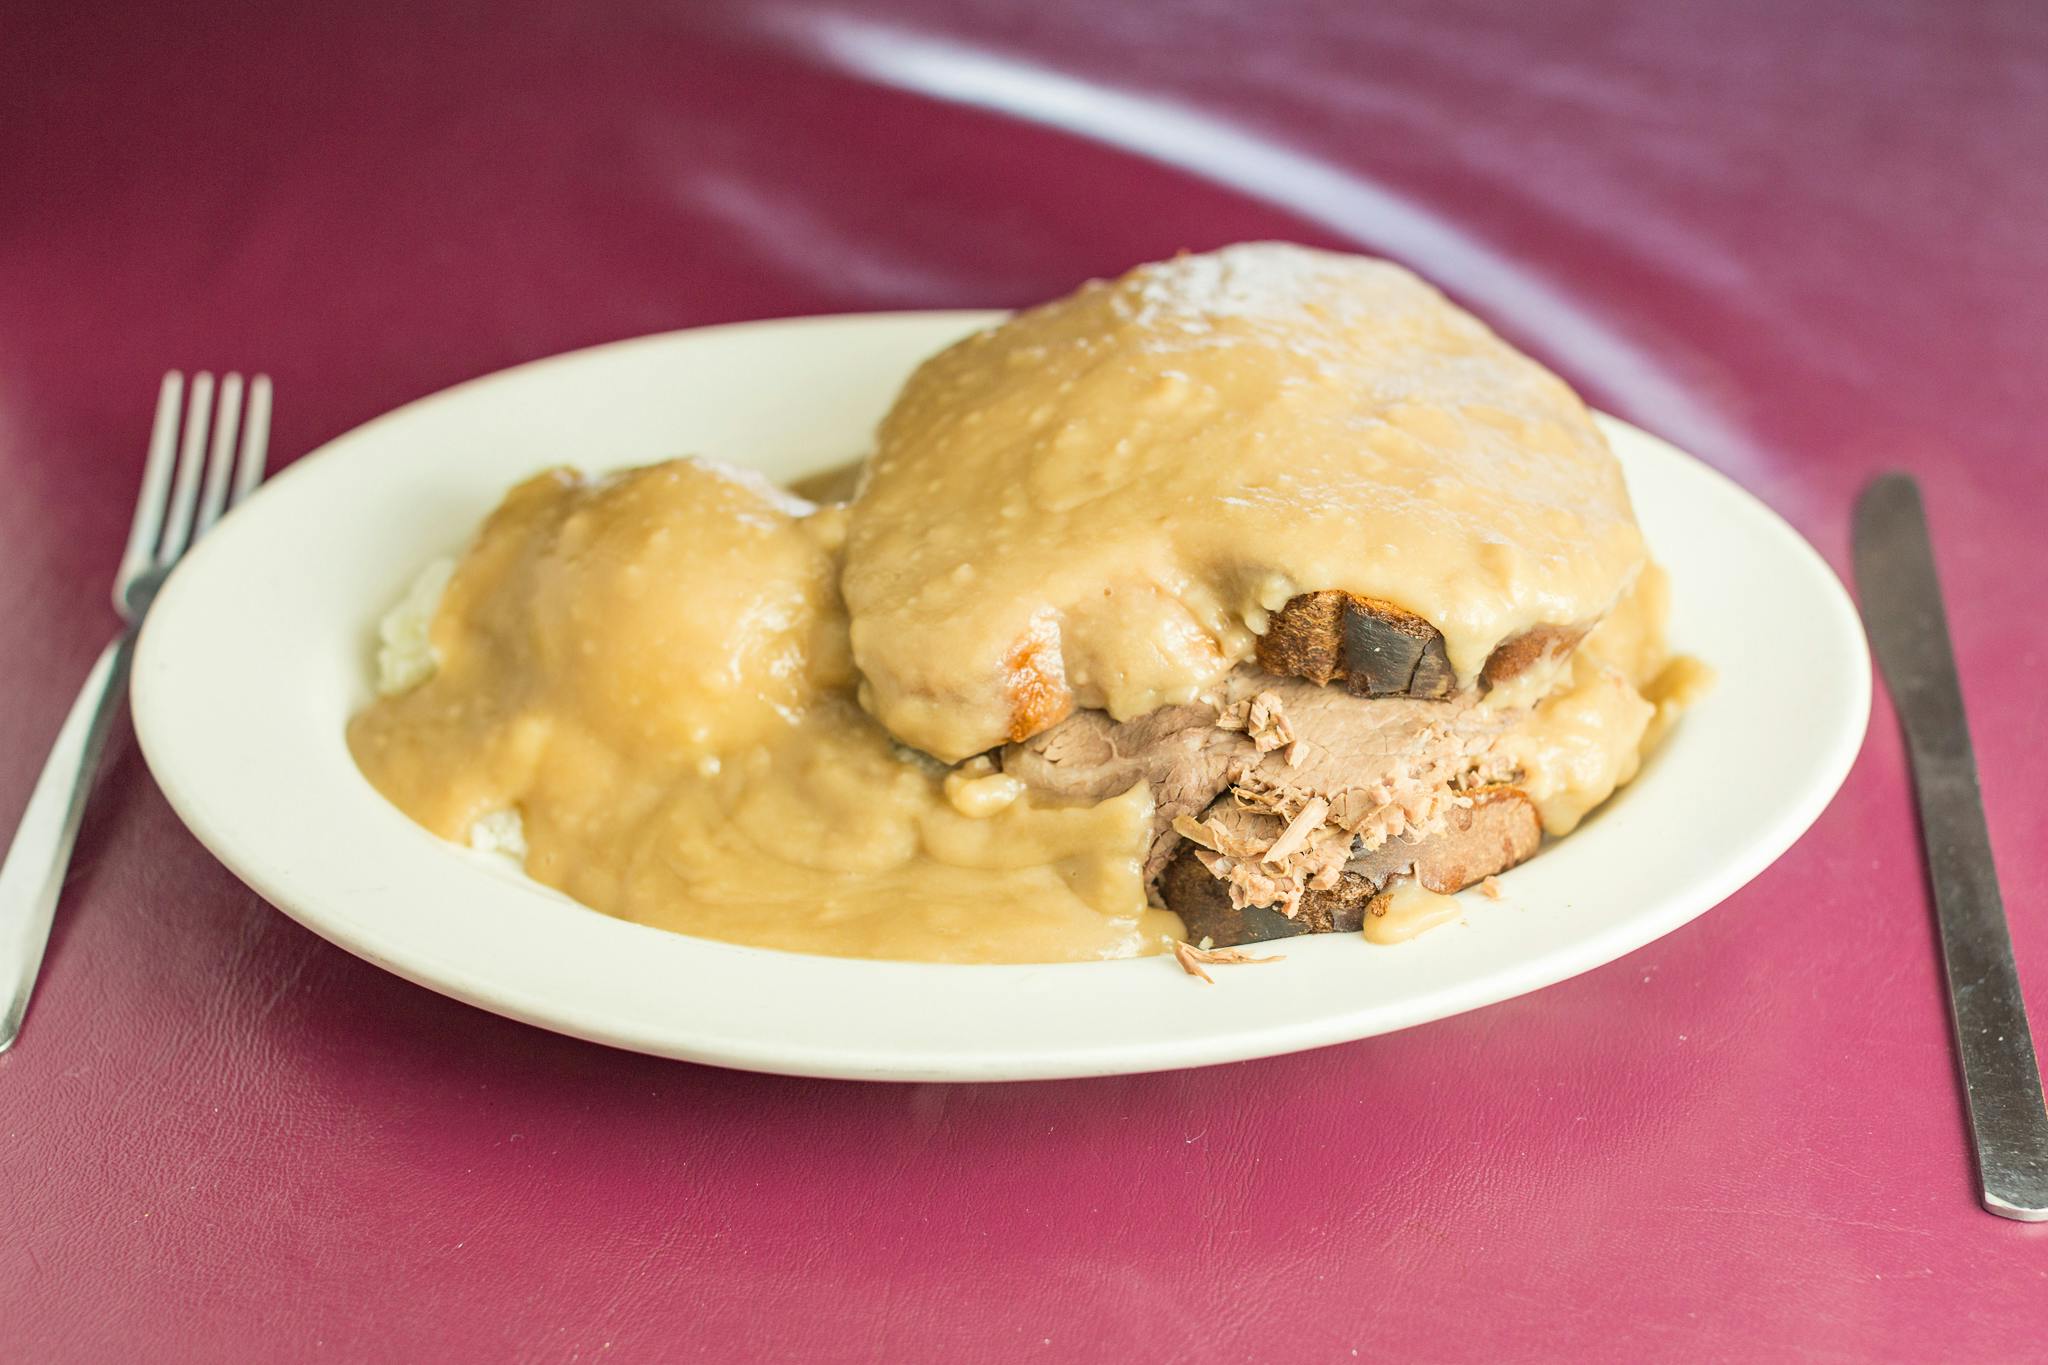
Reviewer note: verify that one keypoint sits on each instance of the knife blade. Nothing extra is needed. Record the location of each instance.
(1902, 609)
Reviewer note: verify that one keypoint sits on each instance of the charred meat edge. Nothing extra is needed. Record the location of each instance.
(1498, 830)
(1377, 649)
(1372, 647)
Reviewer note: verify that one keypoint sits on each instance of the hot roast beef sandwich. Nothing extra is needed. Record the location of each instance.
(1353, 586)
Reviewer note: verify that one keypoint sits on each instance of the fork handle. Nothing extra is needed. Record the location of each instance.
(33, 875)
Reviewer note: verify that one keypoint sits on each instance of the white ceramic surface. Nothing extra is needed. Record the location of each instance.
(259, 648)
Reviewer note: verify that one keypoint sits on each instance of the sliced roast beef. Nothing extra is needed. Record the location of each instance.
(1181, 751)
(1488, 831)
(1314, 775)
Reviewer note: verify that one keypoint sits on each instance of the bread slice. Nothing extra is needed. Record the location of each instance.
(1498, 830)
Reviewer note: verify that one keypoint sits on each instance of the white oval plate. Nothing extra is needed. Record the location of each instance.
(259, 649)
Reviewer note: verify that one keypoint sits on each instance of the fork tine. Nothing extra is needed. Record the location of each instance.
(255, 440)
(156, 482)
(191, 458)
(227, 415)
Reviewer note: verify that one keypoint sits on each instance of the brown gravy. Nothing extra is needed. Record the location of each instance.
(1108, 494)
(650, 669)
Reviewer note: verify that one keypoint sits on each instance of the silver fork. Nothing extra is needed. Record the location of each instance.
(170, 514)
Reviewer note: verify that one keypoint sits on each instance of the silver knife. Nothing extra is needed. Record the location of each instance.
(1909, 632)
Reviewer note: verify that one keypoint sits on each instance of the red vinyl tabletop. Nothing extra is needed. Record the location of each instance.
(1808, 242)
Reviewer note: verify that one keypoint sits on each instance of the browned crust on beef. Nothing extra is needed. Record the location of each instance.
(1203, 904)
(1374, 648)
(1380, 650)
(1035, 686)
(1518, 654)
(1305, 638)
(1498, 830)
